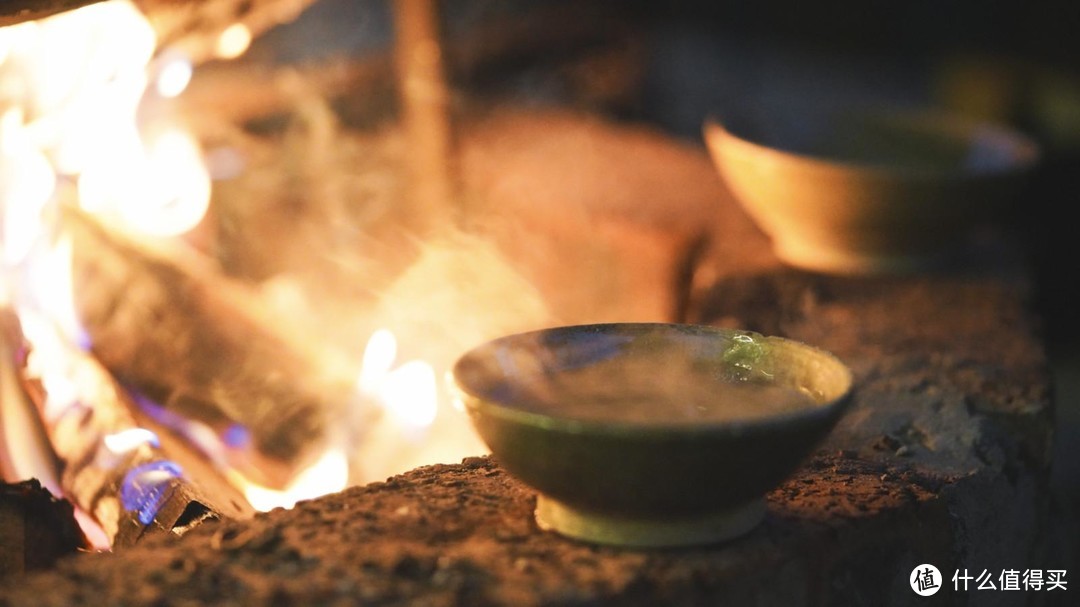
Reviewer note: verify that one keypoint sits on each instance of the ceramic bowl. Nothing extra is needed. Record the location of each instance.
(870, 190)
(650, 434)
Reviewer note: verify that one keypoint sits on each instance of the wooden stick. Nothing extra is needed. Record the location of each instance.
(425, 112)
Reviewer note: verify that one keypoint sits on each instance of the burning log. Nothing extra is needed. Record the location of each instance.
(204, 348)
(18, 11)
(192, 27)
(36, 528)
(112, 466)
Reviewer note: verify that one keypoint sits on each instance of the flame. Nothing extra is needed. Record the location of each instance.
(72, 91)
(76, 128)
(378, 359)
(27, 183)
(173, 75)
(408, 396)
(126, 441)
(71, 88)
(408, 393)
(233, 41)
(327, 475)
(163, 189)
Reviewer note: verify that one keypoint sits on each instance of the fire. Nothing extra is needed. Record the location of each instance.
(408, 397)
(80, 125)
(73, 86)
(408, 393)
(27, 182)
(77, 129)
(329, 474)
(83, 123)
(162, 188)
(70, 91)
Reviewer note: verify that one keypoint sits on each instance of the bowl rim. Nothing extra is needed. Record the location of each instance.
(823, 411)
(1029, 152)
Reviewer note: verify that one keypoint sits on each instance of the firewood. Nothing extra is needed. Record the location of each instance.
(112, 466)
(192, 27)
(168, 324)
(17, 11)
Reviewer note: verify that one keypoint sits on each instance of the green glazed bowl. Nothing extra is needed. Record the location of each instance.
(651, 434)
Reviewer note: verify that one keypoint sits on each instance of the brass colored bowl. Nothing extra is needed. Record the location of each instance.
(870, 191)
(650, 434)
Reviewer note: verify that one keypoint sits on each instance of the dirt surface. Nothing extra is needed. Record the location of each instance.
(464, 535)
(943, 458)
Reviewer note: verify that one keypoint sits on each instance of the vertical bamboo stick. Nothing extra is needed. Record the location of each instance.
(425, 112)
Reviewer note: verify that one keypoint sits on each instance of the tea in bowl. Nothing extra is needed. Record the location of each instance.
(650, 434)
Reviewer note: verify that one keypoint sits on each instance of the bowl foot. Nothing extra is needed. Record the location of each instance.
(648, 533)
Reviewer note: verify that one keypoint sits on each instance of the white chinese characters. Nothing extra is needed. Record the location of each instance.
(1011, 580)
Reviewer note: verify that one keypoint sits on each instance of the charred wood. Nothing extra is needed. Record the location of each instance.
(36, 528)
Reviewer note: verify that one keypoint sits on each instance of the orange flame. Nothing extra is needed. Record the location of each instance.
(408, 393)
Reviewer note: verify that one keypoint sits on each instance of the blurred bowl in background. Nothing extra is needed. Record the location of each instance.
(872, 190)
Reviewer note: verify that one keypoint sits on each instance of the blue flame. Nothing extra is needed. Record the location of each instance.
(236, 436)
(145, 488)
